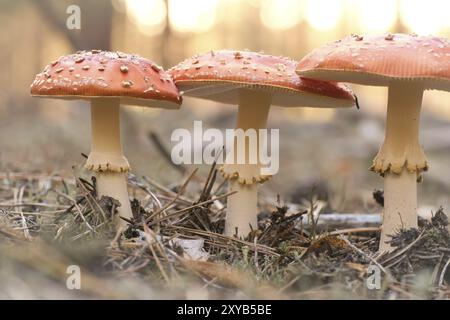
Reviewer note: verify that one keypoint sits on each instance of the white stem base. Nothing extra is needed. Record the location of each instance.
(241, 209)
(106, 158)
(114, 184)
(400, 205)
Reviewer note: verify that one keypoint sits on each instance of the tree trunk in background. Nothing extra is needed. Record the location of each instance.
(96, 20)
(165, 43)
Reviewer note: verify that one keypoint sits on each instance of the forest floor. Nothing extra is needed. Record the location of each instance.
(173, 247)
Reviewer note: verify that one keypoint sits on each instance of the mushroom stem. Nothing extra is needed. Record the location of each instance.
(400, 205)
(106, 157)
(242, 209)
(253, 111)
(402, 158)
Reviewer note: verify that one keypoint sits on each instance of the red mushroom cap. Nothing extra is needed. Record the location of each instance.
(376, 60)
(218, 75)
(95, 73)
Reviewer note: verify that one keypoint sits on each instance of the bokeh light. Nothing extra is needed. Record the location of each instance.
(425, 17)
(192, 15)
(148, 15)
(281, 14)
(376, 16)
(323, 15)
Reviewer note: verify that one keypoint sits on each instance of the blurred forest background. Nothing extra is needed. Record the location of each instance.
(328, 148)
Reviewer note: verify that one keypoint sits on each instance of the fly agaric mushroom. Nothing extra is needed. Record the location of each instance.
(107, 79)
(407, 65)
(254, 82)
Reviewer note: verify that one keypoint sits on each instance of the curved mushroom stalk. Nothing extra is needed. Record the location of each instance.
(401, 159)
(106, 158)
(253, 111)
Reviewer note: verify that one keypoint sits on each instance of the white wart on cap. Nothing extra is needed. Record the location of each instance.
(407, 65)
(218, 76)
(252, 81)
(90, 74)
(377, 60)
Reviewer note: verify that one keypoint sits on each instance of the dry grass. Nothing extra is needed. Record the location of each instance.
(173, 246)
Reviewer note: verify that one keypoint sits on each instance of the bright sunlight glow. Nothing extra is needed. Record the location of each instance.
(148, 15)
(192, 15)
(420, 16)
(323, 15)
(280, 14)
(376, 16)
(425, 17)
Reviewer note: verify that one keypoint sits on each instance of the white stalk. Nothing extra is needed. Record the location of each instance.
(401, 159)
(106, 157)
(400, 205)
(242, 207)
